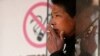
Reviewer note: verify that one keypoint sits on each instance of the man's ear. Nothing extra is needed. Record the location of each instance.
(74, 21)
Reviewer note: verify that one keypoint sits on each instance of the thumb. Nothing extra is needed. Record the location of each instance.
(61, 35)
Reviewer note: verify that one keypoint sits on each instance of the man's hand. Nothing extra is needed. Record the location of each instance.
(54, 42)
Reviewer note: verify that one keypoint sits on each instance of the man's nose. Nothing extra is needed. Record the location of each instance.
(53, 22)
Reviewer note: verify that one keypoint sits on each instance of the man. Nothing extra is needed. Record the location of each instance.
(61, 29)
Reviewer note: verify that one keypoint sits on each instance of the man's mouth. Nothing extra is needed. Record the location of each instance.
(56, 31)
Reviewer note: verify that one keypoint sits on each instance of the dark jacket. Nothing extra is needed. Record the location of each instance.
(69, 49)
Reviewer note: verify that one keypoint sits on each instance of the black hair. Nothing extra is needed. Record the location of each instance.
(68, 5)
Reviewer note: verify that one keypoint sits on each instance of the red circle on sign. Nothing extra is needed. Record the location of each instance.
(40, 24)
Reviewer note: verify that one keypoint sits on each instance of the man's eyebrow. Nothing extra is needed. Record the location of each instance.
(56, 12)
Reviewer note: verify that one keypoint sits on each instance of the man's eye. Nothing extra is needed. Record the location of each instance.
(57, 15)
(53, 16)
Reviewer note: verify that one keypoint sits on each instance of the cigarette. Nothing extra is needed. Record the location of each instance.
(48, 31)
(51, 26)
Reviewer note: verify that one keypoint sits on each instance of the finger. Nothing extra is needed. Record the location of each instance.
(49, 35)
(48, 26)
(53, 34)
(61, 35)
(48, 31)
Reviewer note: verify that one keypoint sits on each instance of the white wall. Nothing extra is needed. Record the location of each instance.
(12, 38)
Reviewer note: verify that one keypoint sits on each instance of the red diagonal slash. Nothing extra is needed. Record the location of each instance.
(38, 22)
(32, 43)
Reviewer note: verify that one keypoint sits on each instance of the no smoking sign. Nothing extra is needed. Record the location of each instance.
(34, 25)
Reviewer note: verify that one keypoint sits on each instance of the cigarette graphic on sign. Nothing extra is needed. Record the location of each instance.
(34, 25)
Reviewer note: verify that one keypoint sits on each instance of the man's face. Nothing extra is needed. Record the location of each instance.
(61, 21)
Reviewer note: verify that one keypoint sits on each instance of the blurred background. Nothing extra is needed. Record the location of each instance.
(22, 27)
(23, 24)
(87, 12)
